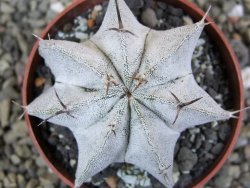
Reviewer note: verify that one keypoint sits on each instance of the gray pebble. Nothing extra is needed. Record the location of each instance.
(159, 13)
(32, 183)
(244, 167)
(9, 181)
(37, 23)
(12, 179)
(225, 130)
(247, 152)
(149, 18)
(247, 35)
(242, 142)
(201, 3)
(222, 18)
(67, 27)
(217, 149)
(234, 171)
(99, 19)
(223, 181)
(245, 133)
(186, 180)
(33, 5)
(198, 141)
(35, 14)
(40, 162)
(206, 157)
(211, 134)
(10, 82)
(21, 181)
(6, 8)
(9, 93)
(15, 159)
(215, 11)
(26, 151)
(23, 6)
(162, 5)
(45, 183)
(234, 157)
(245, 179)
(2, 175)
(175, 11)
(51, 177)
(135, 4)
(241, 51)
(207, 145)
(228, 5)
(18, 131)
(186, 159)
(4, 65)
(43, 6)
(247, 5)
(4, 112)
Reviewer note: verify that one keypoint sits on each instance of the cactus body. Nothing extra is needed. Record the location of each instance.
(126, 94)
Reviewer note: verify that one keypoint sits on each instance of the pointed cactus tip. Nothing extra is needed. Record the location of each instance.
(19, 105)
(237, 111)
(49, 36)
(41, 123)
(206, 14)
(21, 116)
(39, 38)
(208, 23)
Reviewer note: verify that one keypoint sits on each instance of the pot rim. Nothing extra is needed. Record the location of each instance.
(196, 13)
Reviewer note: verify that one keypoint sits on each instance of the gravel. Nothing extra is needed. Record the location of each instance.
(186, 159)
(148, 17)
(20, 164)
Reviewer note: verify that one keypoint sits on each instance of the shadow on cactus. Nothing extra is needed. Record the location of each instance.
(126, 94)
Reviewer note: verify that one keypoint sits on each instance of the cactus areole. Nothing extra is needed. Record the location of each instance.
(126, 94)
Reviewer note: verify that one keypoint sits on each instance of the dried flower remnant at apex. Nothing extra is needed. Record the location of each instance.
(136, 92)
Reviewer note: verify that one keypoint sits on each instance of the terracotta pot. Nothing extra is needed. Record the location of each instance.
(214, 33)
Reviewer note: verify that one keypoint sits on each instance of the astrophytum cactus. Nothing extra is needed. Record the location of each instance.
(126, 94)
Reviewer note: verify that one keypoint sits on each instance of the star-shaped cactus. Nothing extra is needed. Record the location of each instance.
(126, 94)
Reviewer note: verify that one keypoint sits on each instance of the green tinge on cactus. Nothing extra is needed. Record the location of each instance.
(126, 94)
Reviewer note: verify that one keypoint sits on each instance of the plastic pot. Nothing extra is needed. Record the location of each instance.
(215, 34)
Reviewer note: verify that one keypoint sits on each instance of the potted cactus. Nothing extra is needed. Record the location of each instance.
(127, 93)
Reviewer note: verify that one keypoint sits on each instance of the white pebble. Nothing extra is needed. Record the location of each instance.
(237, 11)
(176, 176)
(186, 172)
(61, 136)
(98, 8)
(57, 7)
(200, 42)
(192, 138)
(72, 162)
(188, 20)
(61, 34)
(246, 77)
(82, 24)
(214, 124)
(81, 36)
